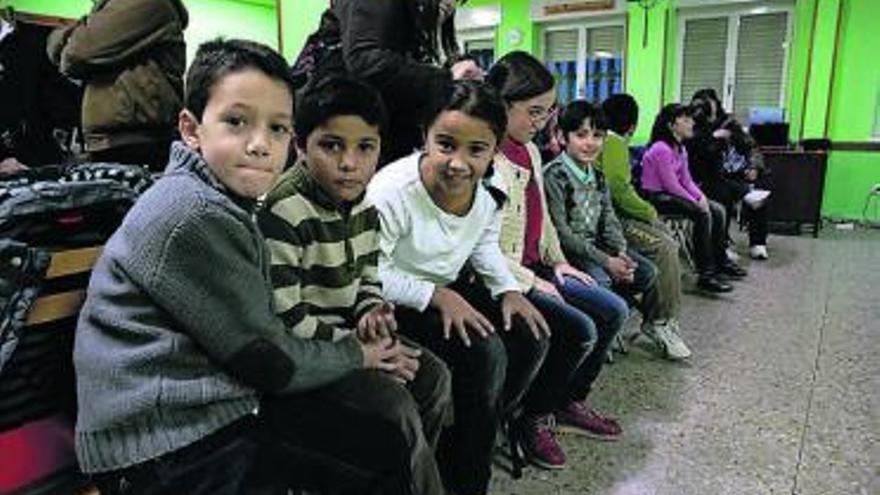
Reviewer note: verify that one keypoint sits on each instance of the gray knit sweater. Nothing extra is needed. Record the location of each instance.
(178, 335)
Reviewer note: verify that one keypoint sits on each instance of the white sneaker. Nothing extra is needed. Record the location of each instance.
(756, 198)
(758, 252)
(667, 339)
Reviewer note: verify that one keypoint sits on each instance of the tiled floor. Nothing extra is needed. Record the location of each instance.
(782, 395)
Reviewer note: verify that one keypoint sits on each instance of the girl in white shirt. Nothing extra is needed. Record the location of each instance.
(439, 221)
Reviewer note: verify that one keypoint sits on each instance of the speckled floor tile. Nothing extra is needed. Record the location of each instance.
(781, 395)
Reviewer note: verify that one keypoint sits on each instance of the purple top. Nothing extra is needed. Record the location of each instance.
(664, 170)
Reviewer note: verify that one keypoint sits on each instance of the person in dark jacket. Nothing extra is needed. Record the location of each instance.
(131, 56)
(732, 166)
(399, 47)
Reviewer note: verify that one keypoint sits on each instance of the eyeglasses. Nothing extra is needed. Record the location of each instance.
(538, 113)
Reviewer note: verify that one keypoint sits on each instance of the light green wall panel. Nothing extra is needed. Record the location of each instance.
(254, 20)
(299, 19)
(802, 39)
(229, 19)
(824, 37)
(644, 64)
(856, 80)
(848, 180)
(61, 8)
(672, 67)
(857, 73)
(517, 31)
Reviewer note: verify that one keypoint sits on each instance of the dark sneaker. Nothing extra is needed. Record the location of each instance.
(539, 442)
(579, 419)
(711, 283)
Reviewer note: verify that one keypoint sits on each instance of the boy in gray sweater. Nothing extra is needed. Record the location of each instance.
(178, 339)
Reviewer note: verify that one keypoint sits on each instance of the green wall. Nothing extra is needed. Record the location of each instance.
(61, 8)
(209, 19)
(249, 19)
(299, 19)
(854, 93)
(819, 81)
(644, 62)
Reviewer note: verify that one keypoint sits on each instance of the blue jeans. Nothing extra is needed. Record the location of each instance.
(573, 336)
(608, 311)
(644, 283)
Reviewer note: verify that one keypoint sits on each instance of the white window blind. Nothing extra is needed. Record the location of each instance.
(608, 39)
(704, 64)
(561, 46)
(760, 62)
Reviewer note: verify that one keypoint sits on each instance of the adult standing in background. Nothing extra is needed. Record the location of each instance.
(131, 55)
(729, 166)
(399, 47)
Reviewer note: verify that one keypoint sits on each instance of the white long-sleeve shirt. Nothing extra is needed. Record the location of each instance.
(421, 246)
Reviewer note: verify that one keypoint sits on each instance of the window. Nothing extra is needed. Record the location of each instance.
(741, 55)
(587, 61)
(483, 51)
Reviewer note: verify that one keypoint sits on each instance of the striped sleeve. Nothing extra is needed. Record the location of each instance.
(370, 289)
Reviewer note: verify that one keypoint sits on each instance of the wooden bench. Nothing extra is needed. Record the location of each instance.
(38, 454)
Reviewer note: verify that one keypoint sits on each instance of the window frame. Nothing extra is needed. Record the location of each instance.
(734, 13)
(582, 25)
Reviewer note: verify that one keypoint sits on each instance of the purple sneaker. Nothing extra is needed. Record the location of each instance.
(579, 419)
(539, 442)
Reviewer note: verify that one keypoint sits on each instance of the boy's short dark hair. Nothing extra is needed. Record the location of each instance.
(573, 116)
(621, 112)
(218, 58)
(335, 96)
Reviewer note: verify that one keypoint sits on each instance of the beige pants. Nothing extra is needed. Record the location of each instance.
(655, 242)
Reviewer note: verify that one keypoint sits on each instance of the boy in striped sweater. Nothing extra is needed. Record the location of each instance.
(323, 239)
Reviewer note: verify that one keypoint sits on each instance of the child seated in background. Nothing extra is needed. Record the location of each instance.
(437, 215)
(177, 339)
(324, 242)
(667, 184)
(590, 233)
(643, 230)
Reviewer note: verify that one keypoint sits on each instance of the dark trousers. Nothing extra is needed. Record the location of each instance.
(489, 380)
(234, 460)
(362, 434)
(355, 422)
(709, 234)
(757, 223)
